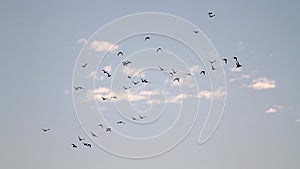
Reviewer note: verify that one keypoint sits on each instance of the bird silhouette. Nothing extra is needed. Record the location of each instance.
(74, 145)
(120, 54)
(235, 58)
(225, 60)
(147, 38)
(144, 80)
(126, 62)
(135, 83)
(80, 139)
(83, 66)
(133, 118)
(101, 125)
(93, 134)
(161, 69)
(211, 14)
(106, 72)
(142, 117)
(45, 130)
(78, 88)
(104, 98)
(113, 97)
(158, 49)
(129, 77)
(195, 31)
(211, 62)
(238, 65)
(177, 78)
(87, 145)
(126, 87)
(108, 129)
(189, 74)
(171, 73)
(174, 72)
(202, 72)
(212, 67)
(120, 122)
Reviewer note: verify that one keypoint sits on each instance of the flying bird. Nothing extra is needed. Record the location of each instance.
(195, 31)
(158, 49)
(147, 38)
(202, 72)
(45, 130)
(101, 125)
(108, 129)
(80, 139)
(171, 73)
(74, 145)
(120, 122)
(211, 62)
(106, 72)
(104, 98)
(211, 14)
(225, 60)
(174, 72)
(177, 78)
(238, 65)
(235, 58)
(126, 62)
(120, 53)
(161, 69)
(133, 118)
(78, 87)
(87, 144)
(129, 77)
(126, 87)
(144, 80)
(212, 67)
(142, 117)
(189, 74)
(93, 134)
(113, 97)
(83, 66)
(135, 83)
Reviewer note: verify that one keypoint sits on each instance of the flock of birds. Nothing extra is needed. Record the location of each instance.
(171, 72)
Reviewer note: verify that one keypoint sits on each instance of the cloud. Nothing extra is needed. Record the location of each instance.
(217, 94)
(234, 69)
(262, 83)
(245, 76)
(107, 68)
(298, 120)
(274, 109)
(127, 70)
(82, 41)
(194, 69)
(100, 46)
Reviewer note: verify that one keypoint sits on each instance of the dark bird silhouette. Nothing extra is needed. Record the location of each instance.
(211, 14)
(133, 118)
(104, 98)
(74, 145)
(80, 139)
(177, 78)
(202, 72)
(225, 60)
(195, 31)
(83, 66)
(235, 58)
(144, 80)
(106, 72)
(126, 62)
(126, 87)
(45, 130)
(158, 49)
(211, 62)
(93, 134)
(87, 145)
(142, 117)
(120, 53)
(101, 125)
(129, 77)
(147, 38)
(113, 97)
(78, 87)
(161, 69)
(135, 83)
(238, 65)
(171, 73)
(120, 122)
(212, 67)
(174, 72)
(189, 74)
(108, 129)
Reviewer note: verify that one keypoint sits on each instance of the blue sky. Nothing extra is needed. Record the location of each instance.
(39, 48)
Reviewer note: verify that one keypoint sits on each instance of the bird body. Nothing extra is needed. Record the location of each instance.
(158, 49)
(74, 145)
(45, 130)
(176, 79)
(93, 134)
(202, 72)
(147, 38)
(120, 54)
(87, 144)
(225, 60)
(77, 88)
(80, 139)
(83, 66)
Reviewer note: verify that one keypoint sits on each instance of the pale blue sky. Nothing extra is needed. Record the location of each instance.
(39, 50)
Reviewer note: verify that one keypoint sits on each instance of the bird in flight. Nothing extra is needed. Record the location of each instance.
(147, 38)
(174, 72)
(87, 144)
(212, 67)
(80, 139)
(78, 87)
(133, 118)
(177, 78)
(171, 73)
(142, 117)
(129, 77)
(113, 97)
(235, 58)
(211, 62)
(120, 122)
(225, 60)
(101, 125)
(189, 74)
(120, 54)
(45, 130)
(126, 62)
(161, 69)
(238, 65)
(108, 129)
(144, 80)
(202, 72)
(83, 66)
(93, 134)
(104, 98)
(135, 83)
(74, 145)
(158, 49)
(211, 14)
(126, 87)
(106, 72)
(195, 31)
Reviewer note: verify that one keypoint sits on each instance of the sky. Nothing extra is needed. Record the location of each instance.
(43, 45)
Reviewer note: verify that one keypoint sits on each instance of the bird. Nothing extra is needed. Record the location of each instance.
(135, 83)
(126, 62)
(93, 134)
(211, 14)
(120, 122)
(78, 87)
(174, 72)
(195, 31)
(225, 60)
(108, 129)
(189, 74)
(120, 53)
(147, 38)
(106, 72)
(80, 139)
(83, 66)
(45, 130)
(142, 117)
(212, 67)
(126, 87)
(171, 73)
(113, 97)
(177, 78)
(235, 58)
(87, 144)
(133, 118)
(101, 125)
(211, 62)
(202, 72)
(144, 80)
(158, 49)
(129, 77)
(74, 145)
(104, 98)
(161, 69)
(238, 65)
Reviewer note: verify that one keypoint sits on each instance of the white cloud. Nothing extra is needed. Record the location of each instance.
(217, 94)
(127, 70)
(194, 69)
(107, 68)
(100, 46)
(274, 109)
(82, 41)
(234, 69)
(245, 76)
(298, 120)
(262, 83)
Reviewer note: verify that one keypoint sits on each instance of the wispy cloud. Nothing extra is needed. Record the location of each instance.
(242, 77)
(298, 120)
(234, 69)
(274, 109)
(262, 83)
(100, 46)
(82, 41)
(217, 94)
